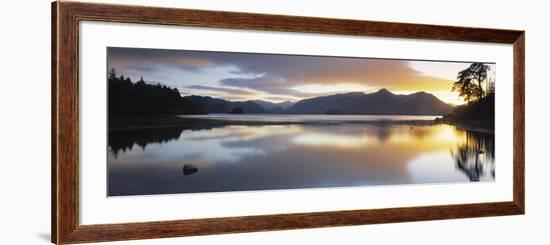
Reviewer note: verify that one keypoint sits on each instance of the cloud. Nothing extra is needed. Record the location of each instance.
(281, 98)
(223, 89)
(277, 85)
(128, 60)
(277, 75)
(290, 71)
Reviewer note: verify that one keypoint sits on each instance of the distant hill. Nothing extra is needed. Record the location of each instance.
(271, 107)
(382, 102)
(214, 105)
(128, 99)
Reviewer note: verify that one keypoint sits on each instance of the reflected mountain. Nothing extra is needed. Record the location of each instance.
(475, 157)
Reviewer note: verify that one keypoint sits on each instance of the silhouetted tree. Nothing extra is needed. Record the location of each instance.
(490, 86)
(112, 74)
(469, 81)
(130, 99)
(466, 89)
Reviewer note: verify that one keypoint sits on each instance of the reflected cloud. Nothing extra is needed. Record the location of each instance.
(236, 158)
(333, 140)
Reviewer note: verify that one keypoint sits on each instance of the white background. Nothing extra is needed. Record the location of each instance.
(25, 129)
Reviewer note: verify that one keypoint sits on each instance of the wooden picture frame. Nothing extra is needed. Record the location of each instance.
(65, 121)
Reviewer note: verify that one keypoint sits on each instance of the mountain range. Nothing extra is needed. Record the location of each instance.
(215, 105)
(382, 102)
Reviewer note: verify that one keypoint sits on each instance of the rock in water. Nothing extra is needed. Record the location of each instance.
(189, 169)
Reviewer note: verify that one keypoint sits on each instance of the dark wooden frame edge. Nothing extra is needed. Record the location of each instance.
(65, 222)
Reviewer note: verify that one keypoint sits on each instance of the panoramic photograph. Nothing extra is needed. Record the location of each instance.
(183, 121)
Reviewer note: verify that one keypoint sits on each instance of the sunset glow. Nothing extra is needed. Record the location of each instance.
(277, 78)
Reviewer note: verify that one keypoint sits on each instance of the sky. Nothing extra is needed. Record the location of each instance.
(280, 77)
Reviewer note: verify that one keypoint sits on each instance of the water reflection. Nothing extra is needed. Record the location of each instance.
(235, 158)
(189, 169)
(475, 157)
(125, 140)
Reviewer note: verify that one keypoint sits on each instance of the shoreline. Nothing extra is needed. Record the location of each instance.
(468, 127)
(132, 123)
(143, 122)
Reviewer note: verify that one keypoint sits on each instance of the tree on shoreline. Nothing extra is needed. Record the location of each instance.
(130, 99)
(470, 82)
(480, 110)
(465, 89)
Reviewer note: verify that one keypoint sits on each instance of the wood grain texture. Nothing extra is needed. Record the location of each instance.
(149, 230)
(54, 123)
(519, 122)
(234, 20)
(65, 124)
(65, 104)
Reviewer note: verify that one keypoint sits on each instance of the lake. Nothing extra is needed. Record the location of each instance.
(309, 117)
(311, 155)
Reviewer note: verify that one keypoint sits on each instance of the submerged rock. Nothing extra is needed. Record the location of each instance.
(189, 169)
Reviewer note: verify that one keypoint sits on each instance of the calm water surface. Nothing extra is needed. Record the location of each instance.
(308, 118)
(236, 158)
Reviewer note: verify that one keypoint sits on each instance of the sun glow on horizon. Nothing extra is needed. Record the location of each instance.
(331, 88)
(278, 78)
